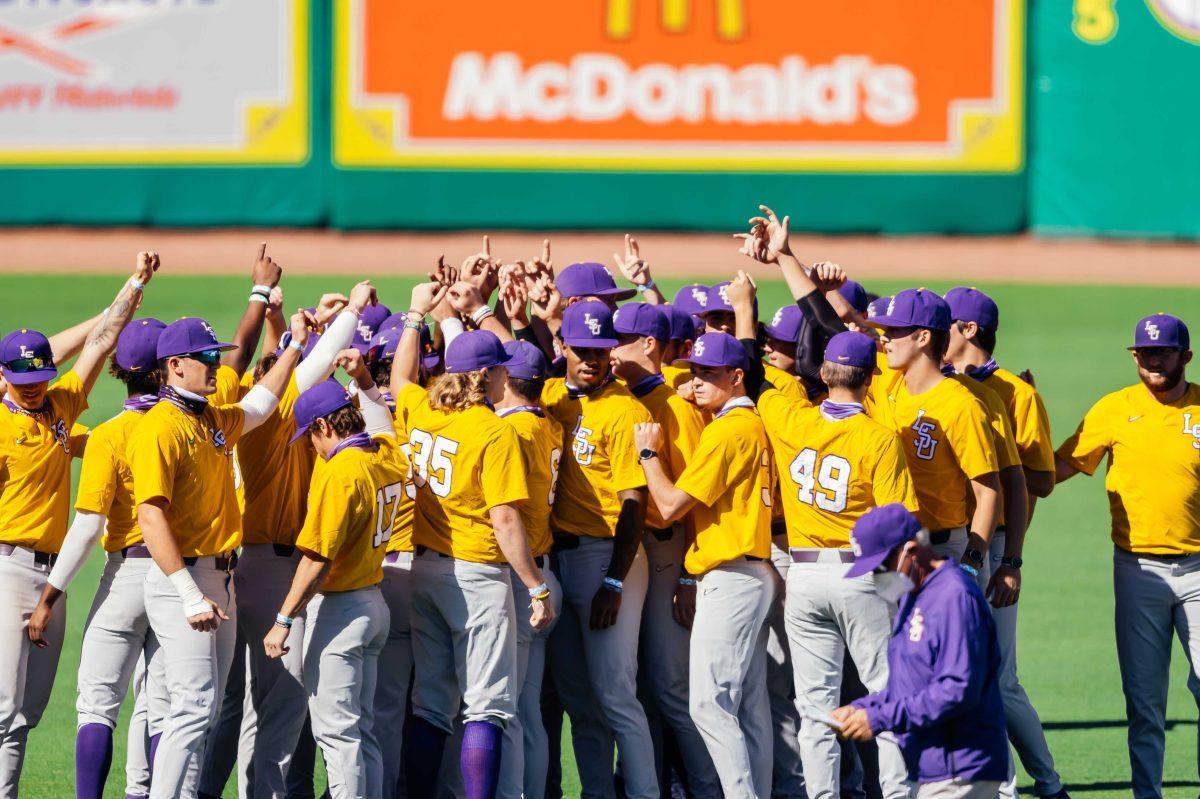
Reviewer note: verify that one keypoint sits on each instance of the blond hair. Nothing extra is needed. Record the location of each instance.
(457, 392)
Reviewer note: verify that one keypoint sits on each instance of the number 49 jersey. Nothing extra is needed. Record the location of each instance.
(831, 472)
(464, 463)
(352, 510)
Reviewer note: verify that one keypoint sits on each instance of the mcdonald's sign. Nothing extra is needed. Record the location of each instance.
(683, 85)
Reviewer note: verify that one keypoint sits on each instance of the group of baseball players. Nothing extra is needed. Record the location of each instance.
(745, 559)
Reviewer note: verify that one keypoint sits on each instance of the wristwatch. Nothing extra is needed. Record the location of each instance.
(975, 556)
(647, 454)
(1015, 561)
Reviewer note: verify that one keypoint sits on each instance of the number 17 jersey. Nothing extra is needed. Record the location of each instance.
(831, 471)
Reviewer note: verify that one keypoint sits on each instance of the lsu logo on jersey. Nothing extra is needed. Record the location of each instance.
(218, 438)
(1192, 430)
(925, 443)
(61, 434)
(582, 447)
(916, 626)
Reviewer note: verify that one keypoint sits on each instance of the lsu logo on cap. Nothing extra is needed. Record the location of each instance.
(701, 297)
(891, 307)
(724, 292)
(26, 352)
(592, 323)
(1152, 331)
(698, 348)
(777, 318)
(364, 331)
(208, 329)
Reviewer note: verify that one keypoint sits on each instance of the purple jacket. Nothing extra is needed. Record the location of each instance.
(942, 699)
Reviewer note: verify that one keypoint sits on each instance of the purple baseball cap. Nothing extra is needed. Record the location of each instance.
(718, 299)
(915, 308)
(370, 322)
(430, 357)
(395, 320)
(474, 350)
(321, 400)
(383, 344)
(1159, 330)
(972, 305)
(25, 358)
(683, 324)
(528, 362)
(876, 533)
(189, 335)
(589, 280)
(785, 324)
(588, 324)
(137, 346)
(854, 293)
(876, 307)
(851, 349)
(642, 319)
(692, 298)
(718, 349)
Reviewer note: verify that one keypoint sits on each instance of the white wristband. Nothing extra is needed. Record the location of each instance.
(481, 313)
(258, 298)
(261, 290)
(189, 595)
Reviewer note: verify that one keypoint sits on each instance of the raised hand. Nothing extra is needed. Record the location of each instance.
(426, 296)
(543, 265)
(275, 303)
(362, 295)
(515, 298)
(351, 361)
(302, 321)
(147, 265)
(546, 300)
(635, 270)
(265, 272)
(768, 237)
(827, 276)
(465, 298)
(329, 306)
(742, 291)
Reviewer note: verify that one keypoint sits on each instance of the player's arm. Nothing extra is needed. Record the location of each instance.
(103, 336)
(275, 323)
(260, 402)
(406, 363)
(672, 503)
(631, 521)
(467, 300)
(265, 276)
(637, 272)
(986, 488)
(310, 573)
(81, 539)
(66, 344)
(320, 362)
(377, 417)
(742, 291)
(203, 614)
(1004, 585)
(511, 538)
(1063, 471)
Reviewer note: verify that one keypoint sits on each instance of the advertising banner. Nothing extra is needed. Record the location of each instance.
(680, 85)
(154, 82)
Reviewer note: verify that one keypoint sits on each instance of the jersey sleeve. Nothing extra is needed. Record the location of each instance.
(503, 469)
(323, 532)
(153, 453)
(68, 397)
(231, 419)
(891, 481)
(681, 432)
(971, 439)
(623, 460)
(717, 463)
(97, 478)
(1033, 432)
(1090, 442)
(776, 409)
(1007, 454)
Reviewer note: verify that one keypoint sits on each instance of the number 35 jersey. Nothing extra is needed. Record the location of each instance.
(353, 505)
(831, 471)
(464, 463)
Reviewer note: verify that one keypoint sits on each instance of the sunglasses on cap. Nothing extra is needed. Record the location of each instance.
(206, 357)
(22, 365)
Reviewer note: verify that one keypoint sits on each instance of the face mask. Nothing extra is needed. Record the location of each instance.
(891, 586)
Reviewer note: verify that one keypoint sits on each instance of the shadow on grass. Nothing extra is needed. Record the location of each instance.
(1084, 787)
(1102, 724)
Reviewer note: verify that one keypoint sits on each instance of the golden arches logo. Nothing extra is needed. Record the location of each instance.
(675, 15)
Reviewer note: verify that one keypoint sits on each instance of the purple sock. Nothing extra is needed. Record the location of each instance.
(139, 796)
(423, 745)
(480, 759)
(93, 758)
(154, 739)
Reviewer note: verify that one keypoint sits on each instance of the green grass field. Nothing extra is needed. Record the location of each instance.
(1072, 337)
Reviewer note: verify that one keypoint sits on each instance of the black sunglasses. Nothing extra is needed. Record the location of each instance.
(23, 365)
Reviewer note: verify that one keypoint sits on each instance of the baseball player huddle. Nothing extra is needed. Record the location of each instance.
(418, 539)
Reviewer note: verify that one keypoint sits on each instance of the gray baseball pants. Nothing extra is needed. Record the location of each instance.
(728, 685)
(957, 789)
(787, 768)
(196, 665)
(526, 753)
(26, 672)
(1024, 726)
(344, 634)
(595, 672)
(117, 645)
(395, 670)
(1156, 598)
(274, 709)
(826, 614)
(664, 657)
(464, 641)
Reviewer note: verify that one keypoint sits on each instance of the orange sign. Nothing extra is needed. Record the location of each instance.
(923, 85)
